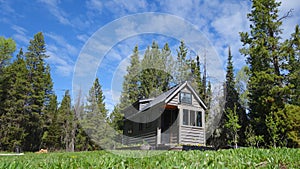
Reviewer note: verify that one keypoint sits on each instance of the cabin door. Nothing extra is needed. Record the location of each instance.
(169, 126)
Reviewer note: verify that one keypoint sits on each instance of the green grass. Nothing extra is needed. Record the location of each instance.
(239, 158)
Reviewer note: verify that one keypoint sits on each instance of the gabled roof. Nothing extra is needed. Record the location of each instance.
(160, 98)
(168, 95)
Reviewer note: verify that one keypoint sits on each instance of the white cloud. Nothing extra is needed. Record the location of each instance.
(82, 37)
(61, 54)
(124, 7)
(52, 6)
(96, 5)
(62, 67)
(218, 20)
(63, 43)
(6, 7)
(290, 22)
(20, 36)
(19, 29)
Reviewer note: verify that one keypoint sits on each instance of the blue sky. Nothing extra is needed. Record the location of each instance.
(69, 26)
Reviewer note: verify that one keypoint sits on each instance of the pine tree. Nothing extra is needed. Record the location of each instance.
(242, 79)
(39, 91)
(94, 120)
(7, 47)
(116, 119)
(293, 67)
(182, 72)
(196, 77)
(150, 72)
(208, 98)
(156, 69)
(15, 119)
(264, 56)
(291, 110)
(232, 125)
(231, 93)
(165, 68)
(130, 91)
(65, 120)
(52, 129)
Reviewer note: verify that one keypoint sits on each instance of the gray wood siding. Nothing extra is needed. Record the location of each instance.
(149, 137)
(192, 135)
(174, 100)
(185, 89)
(195, 103)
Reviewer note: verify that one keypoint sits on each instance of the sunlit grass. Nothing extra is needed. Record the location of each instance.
(239, 158)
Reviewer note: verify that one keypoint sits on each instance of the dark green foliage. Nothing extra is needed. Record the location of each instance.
(155, 75)
(266, 56)
(292, 47)
(183, 69)
(232, 125)
(116, 119)
(52, 127)
(67, 123)
(233, 121)
(94, 118)
(7, 47)
(39, 91)
(292, 124)
(130, 92)
(14, 119)
(29, 115)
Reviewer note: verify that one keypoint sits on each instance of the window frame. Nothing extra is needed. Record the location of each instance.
(183, 101)
(187, 116)
(199, 121)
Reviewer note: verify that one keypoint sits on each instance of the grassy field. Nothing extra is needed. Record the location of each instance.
(239, 158)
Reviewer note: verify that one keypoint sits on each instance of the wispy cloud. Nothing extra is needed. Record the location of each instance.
(6, 7)
(20, 35)
(62, 66)
(60, 40)
(123, 6)
(95, 5)
(61, 54)
(19, 29)
(82, 37)
(53, 7)
(290, 22)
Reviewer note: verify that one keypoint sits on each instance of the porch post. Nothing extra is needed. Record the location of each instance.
(204, 126)
(179, 123)
(158, 140)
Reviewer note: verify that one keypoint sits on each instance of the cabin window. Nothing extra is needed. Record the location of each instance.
(199, 118)
(192, 118)
(185, 98)
(185, 117)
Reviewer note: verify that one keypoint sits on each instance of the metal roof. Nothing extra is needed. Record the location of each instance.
(166, 96)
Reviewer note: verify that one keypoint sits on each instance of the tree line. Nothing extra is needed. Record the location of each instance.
(30, 116)
(261, 100)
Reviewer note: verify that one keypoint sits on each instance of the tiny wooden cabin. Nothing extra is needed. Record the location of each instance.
(174, 117)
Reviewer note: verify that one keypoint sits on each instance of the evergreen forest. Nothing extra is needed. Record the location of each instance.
(261, 100)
